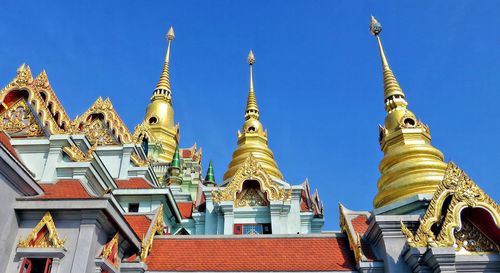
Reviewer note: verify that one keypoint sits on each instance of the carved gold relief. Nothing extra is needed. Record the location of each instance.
(471, 239)
(251, 170)
(43, 238)
(251, 197)
(96, 132)
(461, 192)
(77, 155)
(18, 120)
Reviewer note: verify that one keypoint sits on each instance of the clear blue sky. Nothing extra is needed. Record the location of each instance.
(317, 76)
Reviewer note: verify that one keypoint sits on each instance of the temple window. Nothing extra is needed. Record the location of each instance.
(133, 207)
(252, 229)
(36, 265)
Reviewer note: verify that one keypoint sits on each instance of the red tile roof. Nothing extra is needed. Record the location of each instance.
(64, 189)
(134, 183)
(360, 224)
(139, 223)
(186, 209)
(251, 254)
(5, 141)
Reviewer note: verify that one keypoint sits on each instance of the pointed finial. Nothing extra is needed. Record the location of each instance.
(210, 177)
(251, 58)
(252, 109)
(375, 27)
(393, 94)
(163, 85)
(176, 160)
(170, 34)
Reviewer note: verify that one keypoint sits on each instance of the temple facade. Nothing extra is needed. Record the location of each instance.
(88, 195)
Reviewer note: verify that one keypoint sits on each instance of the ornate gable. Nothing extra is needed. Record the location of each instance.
(444, 223)
(43, 235)
(100, 123)
(38, 96)
(251, 169)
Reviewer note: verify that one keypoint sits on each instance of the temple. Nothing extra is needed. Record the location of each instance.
(89, 195)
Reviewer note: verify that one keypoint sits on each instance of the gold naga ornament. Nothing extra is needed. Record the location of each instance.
(411, 165)
(159, 118)
(456, 192)
(251, 169)
(157, 228)
(77, 155)
(253, 138)
(43, 235)
(109, 254)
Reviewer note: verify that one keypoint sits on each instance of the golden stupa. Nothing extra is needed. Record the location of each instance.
(253, 138)
(160, 112)
(411, 165)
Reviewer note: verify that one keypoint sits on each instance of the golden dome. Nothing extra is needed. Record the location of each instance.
(411, 165)
(253, 139)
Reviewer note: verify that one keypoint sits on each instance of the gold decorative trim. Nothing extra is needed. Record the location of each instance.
(77, 155)
(137, 161)
(157, 228)
(50, 239)
(354, 241)
(461, 192)
(108, 249)
(251, 169)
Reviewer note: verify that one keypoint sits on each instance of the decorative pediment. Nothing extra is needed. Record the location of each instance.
(101, 124)
(39, 96)
(18, 120)
(110, 250)
(251, 170)
(251, 197)
(44, 235)
(442, 224)
(157, 228)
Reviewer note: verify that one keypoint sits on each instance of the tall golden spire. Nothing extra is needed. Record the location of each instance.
(163, 85)
(159, 118)
(252, 109)
(253, 139)
(393, 94)
(411, 165)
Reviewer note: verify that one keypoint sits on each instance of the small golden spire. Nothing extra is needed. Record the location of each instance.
(252, 110)
(393, 94)
(163, 86)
